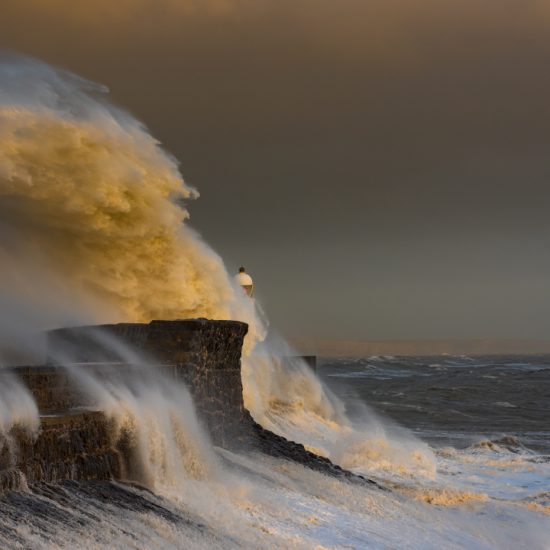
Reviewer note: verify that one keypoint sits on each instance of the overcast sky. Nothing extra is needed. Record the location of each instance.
(381, 167)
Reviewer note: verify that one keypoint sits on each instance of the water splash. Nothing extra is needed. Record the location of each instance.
(18, 416)
(286, 397)
(88, 197)
(17, 406)
(92, 228)
(92, 213)
(153, 416)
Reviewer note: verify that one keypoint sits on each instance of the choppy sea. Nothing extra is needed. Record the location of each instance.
(485, 421)
(486, 418)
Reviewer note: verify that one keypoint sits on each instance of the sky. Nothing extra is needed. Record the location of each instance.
(381, 167)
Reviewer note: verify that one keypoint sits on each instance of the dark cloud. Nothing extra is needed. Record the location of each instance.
(382, 167)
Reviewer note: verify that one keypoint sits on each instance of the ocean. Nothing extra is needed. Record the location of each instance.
(483, 421)
(486, 418)
(449, 400)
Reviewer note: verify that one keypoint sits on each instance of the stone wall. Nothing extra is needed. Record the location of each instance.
(75, 446)
(75, 443)
(51, 388)
(205, 355)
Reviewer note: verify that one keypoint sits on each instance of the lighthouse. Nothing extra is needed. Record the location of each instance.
(245, 281)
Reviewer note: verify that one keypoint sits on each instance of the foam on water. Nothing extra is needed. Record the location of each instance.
(499, 472)
(289, 506)
(290, 400)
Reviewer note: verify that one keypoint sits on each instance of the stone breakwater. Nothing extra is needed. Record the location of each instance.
(75, 446)
(75, 443)
(205, 355)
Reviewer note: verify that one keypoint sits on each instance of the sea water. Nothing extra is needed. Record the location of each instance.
(484, 419)
(91, 230)
(487, 419)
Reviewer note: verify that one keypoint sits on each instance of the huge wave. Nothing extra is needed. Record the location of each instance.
(93, 213)
(93, 227)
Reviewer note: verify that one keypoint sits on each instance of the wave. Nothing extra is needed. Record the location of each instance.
(505, 443)
(93, 226)
(92, 210)
(444, 496)
(287, 398)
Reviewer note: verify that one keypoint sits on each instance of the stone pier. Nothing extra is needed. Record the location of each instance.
(205, 355)
(75, 442)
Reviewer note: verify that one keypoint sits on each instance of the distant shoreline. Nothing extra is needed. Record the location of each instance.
(355, 348)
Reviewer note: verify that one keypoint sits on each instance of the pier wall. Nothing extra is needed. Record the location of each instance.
(73, 443)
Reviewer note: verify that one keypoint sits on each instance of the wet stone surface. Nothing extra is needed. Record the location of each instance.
(274, 445)
(74, 446)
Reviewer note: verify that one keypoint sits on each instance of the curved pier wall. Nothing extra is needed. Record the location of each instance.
(204, 354)
(73, 443)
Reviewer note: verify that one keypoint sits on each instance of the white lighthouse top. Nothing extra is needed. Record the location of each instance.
(244, 279)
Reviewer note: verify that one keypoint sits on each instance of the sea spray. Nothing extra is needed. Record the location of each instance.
(18, 418)
(286, 397)
(162, 442)
(88, 196)
(92, 214)
(154, 422)
(17, 406)
(18, 410)
(153, 416)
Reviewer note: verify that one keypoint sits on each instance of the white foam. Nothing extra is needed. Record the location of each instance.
(288, 398)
